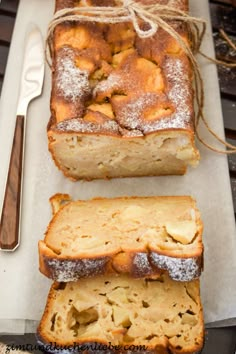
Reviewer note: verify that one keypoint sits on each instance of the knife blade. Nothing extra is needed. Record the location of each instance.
(30, 87)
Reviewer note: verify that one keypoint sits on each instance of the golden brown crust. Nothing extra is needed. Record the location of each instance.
(91, 46)
(138, 262)
(108, 83)
(163, 345)
(58, 200)
(159, 349)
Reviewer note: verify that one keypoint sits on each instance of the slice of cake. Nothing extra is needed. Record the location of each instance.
(141, 236)
(157, 316)
(120, 105)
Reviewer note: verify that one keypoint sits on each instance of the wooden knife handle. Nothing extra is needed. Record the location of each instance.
(9, 226)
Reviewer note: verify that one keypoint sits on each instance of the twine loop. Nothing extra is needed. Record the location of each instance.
(135, 12)
(153, 16)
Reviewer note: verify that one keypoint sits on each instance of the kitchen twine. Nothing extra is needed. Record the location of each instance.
(156, 16)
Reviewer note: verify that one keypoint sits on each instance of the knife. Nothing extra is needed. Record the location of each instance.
(30, 87)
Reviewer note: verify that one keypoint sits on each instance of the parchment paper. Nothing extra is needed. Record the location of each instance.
(23, 289)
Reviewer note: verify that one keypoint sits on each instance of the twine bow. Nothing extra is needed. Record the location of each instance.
(155, 16)
(134, 13)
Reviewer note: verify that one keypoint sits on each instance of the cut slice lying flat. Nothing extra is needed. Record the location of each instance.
(162, 314)
(142, 236)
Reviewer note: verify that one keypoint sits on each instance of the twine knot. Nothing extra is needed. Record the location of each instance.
(153, 16)
(135, 11)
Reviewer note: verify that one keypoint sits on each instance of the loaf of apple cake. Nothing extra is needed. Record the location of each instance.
(142, 236)
(120, 105)
(161, 315)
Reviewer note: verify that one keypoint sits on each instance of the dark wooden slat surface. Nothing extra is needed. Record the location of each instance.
(3, 60)
(229, 107)
(223, 17)
(233, 187)
(9, 6)
(6, 27)
(232, 166)
(227, 79)
(223, 50)
(8, 10)
(218, 341)
(228, 2)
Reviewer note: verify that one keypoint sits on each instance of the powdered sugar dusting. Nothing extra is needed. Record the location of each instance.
(180, 269)
(79, 125)
(142, 265)
(74, 85)
(131, 113)
(72, 270)
(179, 95)
(71, 81)
(106, 86)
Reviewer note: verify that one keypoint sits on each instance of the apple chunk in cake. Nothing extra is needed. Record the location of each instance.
(120, 106)
(164, 315)
(142, 236)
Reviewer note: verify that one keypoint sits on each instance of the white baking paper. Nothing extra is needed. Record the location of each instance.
(23, 289)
